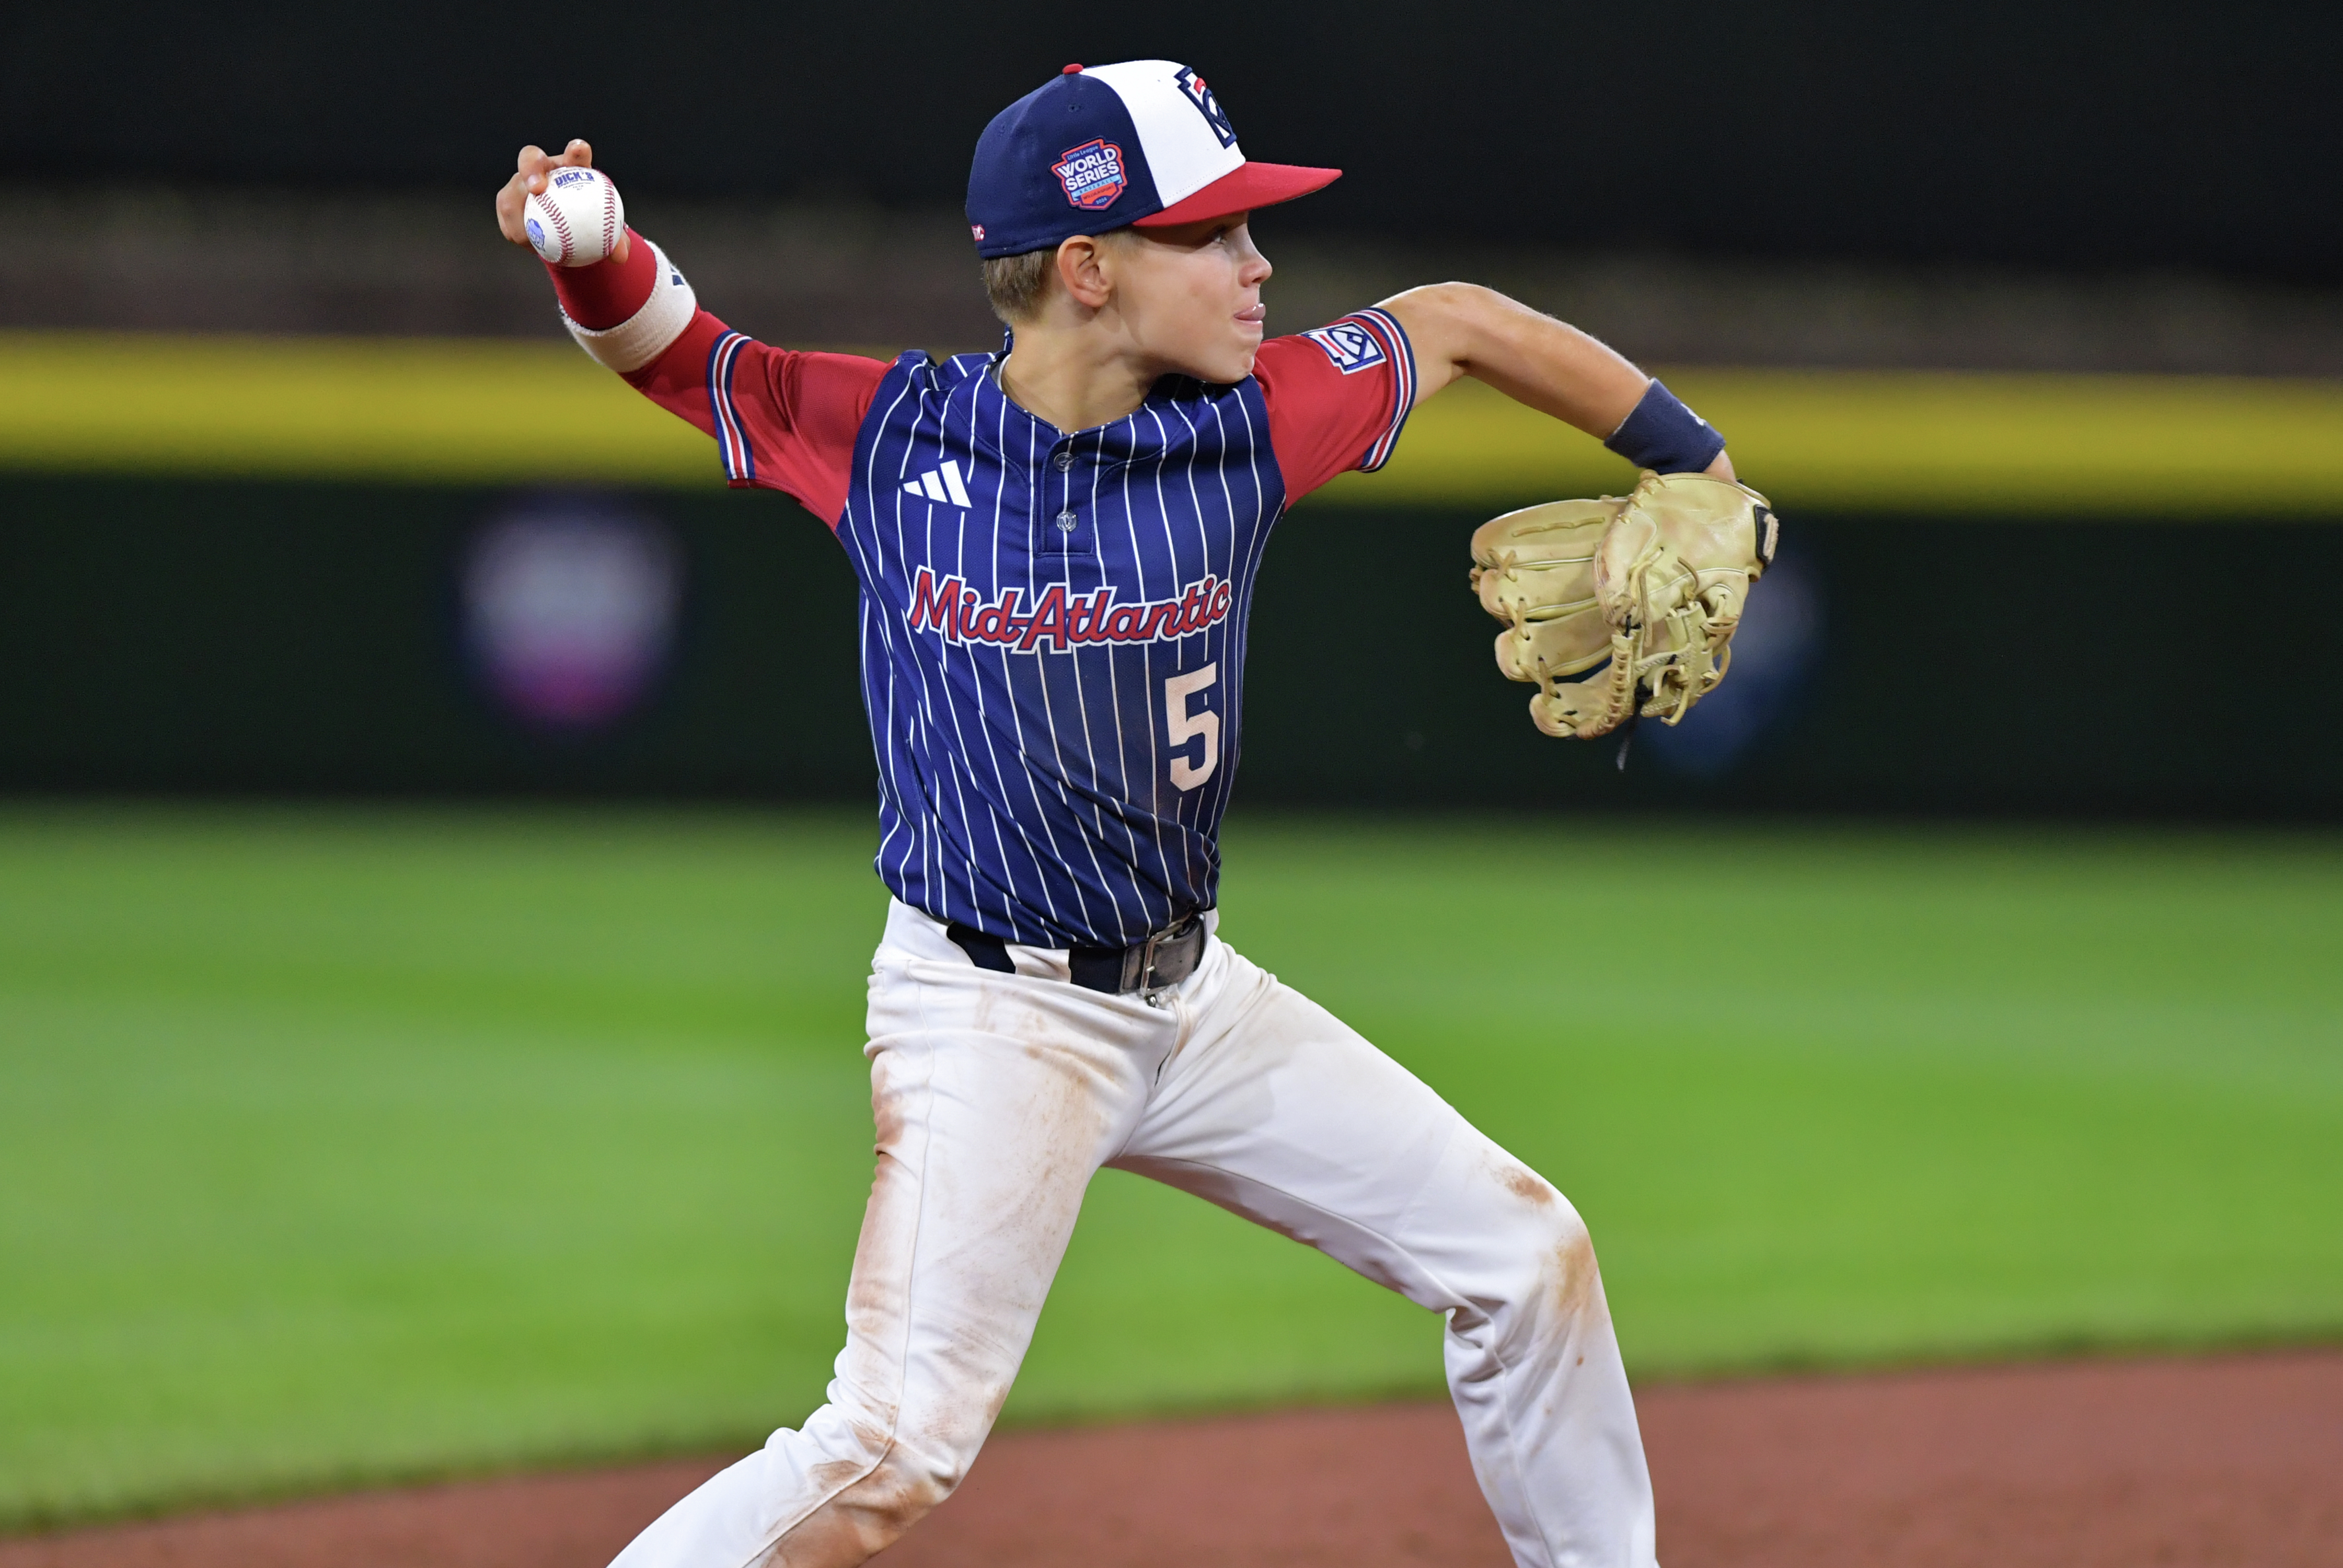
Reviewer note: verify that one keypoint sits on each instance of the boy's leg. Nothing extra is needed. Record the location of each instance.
(996, 1098)
(1273, 1107)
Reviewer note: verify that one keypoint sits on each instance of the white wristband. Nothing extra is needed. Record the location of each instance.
(646, 335)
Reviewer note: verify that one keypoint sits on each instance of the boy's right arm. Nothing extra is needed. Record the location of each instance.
(782, 419)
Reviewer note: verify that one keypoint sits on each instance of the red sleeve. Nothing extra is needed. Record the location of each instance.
(783, 420)
(1337, 397)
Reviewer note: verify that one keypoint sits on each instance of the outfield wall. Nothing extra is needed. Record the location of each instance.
(288, 635)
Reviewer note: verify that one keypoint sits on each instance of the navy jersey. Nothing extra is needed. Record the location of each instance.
(1054, 634)
(1053, 625)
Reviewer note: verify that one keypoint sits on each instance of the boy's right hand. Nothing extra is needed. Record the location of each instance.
(535, 167)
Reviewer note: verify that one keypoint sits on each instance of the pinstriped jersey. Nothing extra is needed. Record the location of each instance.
(1054, 624)
(1053, 643)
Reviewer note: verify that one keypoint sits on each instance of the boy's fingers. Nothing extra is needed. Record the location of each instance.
(535, 162)
(533, 165)
(532, 170)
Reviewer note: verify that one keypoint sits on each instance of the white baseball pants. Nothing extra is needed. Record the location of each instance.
(996, 1096)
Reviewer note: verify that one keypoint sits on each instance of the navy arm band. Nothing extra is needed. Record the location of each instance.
(1666, 437)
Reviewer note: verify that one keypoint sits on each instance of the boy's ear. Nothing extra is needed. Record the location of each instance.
(1082, 272)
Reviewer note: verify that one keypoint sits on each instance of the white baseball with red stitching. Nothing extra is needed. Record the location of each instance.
(577, 219)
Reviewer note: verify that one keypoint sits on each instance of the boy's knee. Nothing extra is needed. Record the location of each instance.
(888, 1488)
(870, 1514)
(902, 1490)
(1567, 1270)
(1550, 1268)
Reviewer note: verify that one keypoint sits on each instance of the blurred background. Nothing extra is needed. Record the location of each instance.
(2026, 315)
(433, 881)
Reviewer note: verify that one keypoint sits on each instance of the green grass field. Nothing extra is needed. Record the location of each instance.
(340, 1145)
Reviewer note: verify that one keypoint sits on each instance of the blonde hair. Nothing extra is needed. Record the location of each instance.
(1015, 286)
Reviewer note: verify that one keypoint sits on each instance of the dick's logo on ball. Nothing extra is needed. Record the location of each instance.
(1091, 174)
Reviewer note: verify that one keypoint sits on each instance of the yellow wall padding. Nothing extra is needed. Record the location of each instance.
(489, 411)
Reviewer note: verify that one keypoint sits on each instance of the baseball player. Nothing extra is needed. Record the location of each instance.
(1057, 546)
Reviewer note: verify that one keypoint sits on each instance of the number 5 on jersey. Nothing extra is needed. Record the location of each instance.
(1181, 726)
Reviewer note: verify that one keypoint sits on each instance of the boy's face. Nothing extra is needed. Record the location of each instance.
(1189, 296)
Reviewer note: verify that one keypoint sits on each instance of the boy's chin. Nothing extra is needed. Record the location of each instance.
(1224, 369)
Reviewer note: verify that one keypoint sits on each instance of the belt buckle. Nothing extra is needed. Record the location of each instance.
(1140, 976)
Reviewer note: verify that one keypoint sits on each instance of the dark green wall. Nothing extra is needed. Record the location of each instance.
(290, 638)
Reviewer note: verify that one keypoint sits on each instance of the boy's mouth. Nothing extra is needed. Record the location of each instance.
(1253, 314)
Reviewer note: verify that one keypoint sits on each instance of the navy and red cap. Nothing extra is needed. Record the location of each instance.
(1145, 142)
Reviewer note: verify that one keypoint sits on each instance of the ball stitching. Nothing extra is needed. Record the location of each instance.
(560, 225)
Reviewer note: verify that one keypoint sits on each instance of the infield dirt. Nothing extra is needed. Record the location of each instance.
(2221, 1460)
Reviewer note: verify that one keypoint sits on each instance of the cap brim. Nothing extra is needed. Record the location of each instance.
(1242, 190)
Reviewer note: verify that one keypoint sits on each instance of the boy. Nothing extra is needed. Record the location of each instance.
(1057, 546)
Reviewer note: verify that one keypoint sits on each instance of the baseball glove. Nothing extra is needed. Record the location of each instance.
(1653, 582)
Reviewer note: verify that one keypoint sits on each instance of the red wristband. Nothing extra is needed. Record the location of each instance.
(605, 294)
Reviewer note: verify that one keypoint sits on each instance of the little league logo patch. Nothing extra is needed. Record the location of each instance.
(1091, 174)
(1191, 86)
(1350, 346)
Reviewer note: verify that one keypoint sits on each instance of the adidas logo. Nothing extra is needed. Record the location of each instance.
(940, 485)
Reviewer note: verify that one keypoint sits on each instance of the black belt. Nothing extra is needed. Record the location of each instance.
(1165, 959)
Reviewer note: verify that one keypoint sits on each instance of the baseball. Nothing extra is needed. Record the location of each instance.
(577, 219)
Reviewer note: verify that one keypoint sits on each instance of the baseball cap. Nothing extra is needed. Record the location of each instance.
(1145, 142)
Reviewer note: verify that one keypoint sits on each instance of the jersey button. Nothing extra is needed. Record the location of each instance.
(1065, 461)
(1066, 521)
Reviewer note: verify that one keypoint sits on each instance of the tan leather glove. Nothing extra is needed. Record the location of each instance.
(1653, 582)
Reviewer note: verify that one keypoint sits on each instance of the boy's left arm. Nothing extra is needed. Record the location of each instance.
(1462, 330)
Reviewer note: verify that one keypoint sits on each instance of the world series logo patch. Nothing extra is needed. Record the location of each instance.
(1350, 346)
(1092, 175)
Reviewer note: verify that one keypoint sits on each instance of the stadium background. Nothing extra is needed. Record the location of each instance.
(433, 885)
